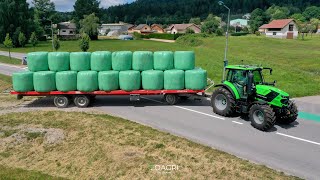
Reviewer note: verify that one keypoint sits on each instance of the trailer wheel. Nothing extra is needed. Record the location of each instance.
(61, 101)
(82, 101)
(171, 99)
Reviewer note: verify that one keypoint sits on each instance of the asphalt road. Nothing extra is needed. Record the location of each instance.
(294, 149)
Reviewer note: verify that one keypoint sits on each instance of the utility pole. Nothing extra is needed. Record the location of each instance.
(225, 61)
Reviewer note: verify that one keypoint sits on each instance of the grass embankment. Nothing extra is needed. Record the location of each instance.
(105, 147)
(7, 60)
(5, 82)
(296, 63)
(17, 173)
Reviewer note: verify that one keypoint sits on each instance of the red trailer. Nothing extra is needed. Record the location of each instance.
(83, 99)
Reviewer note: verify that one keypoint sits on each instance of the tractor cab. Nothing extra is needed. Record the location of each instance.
(245, 78)
(245, 91)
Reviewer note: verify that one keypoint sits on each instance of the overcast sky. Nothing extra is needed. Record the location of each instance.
(67, 5)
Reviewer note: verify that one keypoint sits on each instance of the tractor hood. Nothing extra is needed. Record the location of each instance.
(265, 90)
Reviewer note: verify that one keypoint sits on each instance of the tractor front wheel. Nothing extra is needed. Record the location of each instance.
(290, 116)
(262, 117)
(223, 102)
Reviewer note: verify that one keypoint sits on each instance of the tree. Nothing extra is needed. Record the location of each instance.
(89, 25)
(312, 12)
(84, 42)
(43, 8)
(14, 14)
(22, 39)
(258, 18)
(86, 7)
(33, 40)
(211, 24)
(196, 21)
(8, 43)
(56, 43)
(298, 17)
(277, 12)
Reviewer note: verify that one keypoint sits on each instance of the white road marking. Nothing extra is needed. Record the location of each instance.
(237, 122)
(297, 138)
(221, 118)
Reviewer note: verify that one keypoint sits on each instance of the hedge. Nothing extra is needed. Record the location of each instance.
(239, 34)
(162, 36)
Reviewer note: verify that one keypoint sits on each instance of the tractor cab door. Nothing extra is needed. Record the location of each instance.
(239, 78)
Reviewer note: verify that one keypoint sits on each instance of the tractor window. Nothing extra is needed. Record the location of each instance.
(257, 77)
(229, 76)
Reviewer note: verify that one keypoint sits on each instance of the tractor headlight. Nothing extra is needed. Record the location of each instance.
(285, 100)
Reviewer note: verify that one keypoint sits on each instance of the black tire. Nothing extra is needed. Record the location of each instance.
(171, 99)
(82, 101)
(227, 105)
(61, 101)
(262, 117)
(289, 118)
(92, 99)
(184, 98)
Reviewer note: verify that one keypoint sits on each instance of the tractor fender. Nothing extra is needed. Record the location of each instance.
(229, 89)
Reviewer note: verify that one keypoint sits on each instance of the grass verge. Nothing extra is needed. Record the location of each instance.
(7, 60)
(106, 147)
(5, 82)
(17, 173)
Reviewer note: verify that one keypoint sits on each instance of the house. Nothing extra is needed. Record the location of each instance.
(182, 28)
(239, 23)
(156, 28)
(263, 29)
(142, 29)
(67, 30)
(116, 28)
(281, 28)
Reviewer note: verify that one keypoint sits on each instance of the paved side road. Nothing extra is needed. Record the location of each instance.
(13, 54)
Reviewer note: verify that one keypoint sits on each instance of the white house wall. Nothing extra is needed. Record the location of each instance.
(284, 31)
(67, 32)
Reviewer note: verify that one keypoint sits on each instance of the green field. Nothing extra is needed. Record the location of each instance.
(296, 63)
(7, 60)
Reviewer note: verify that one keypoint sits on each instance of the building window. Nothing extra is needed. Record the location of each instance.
(71, 32)
(274, 33)
(291, 27)
(64, 31)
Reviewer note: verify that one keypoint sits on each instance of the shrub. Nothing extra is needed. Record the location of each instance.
(22, 39)
(56, 43)
(84, 42)
(137, 36)
(258, 33)
(189, 40)
(189, 31)
(33, 40)
(219, 32)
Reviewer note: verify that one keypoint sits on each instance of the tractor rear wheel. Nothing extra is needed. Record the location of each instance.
(262, 117)
(223, 102)
(291, 116)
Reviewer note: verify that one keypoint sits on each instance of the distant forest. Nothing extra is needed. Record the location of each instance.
(180, 11)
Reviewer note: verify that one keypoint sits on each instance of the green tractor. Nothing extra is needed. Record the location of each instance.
(244, 91)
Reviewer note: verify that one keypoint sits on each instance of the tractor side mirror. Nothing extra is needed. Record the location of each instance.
(271, 71)
(250, 83)
(274, 83)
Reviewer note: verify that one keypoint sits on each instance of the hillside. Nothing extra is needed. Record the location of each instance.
(178, 11)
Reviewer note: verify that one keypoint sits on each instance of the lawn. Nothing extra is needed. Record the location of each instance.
(5, 82)
(17, 173)
(96, 146)
(296, 63)
(7, 60)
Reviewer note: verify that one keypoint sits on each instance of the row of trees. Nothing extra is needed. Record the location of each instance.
(177, 11)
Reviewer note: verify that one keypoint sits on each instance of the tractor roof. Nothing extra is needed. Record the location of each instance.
(244, 67)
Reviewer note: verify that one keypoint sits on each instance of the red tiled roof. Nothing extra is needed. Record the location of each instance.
(280, 23)
(263, 26)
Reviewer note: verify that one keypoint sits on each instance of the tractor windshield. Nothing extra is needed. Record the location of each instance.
(257, 77)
